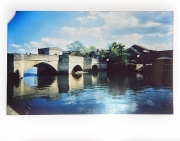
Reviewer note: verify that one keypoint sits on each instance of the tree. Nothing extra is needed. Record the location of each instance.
(118, 54)
(92, 48)
(77, 49)
(85, 51)
(103, 53)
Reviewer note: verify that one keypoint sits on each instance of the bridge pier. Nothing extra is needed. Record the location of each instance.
(63, 64)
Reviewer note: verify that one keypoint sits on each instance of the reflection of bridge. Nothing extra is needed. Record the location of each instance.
(51, 64)
(53, 86)
(22, 92)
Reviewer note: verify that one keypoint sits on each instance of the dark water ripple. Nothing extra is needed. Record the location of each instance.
(89, 94)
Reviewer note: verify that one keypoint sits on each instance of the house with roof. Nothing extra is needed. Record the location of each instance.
(135, 51)
(142, 55)
(95, 54)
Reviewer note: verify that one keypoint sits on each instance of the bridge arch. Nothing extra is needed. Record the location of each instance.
(77, 68)
(42, 68)
(39, 81)
(95, 68)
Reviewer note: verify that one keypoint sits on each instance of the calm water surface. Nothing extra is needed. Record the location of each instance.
(88, 93)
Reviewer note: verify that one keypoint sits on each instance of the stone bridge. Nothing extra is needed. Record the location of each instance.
(18, 64)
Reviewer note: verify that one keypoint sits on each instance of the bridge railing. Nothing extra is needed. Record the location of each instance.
(17, 57)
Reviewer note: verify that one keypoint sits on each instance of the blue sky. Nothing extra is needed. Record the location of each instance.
(30, 30)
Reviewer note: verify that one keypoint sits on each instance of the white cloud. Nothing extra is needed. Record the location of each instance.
(32, 46)
(122, 27)
(92, 17)
(95, 31)
(165, 30)
(80, 19)
(129, 23)
(68, 30)
(155, 29)
(18, 47)
(158, 46)
(22, 50)
(36, 44)
(164, 15)
(103, 44)
(56, 42)
(129, 40)
(116, 19)
(162, 46)
(149, 24)
(15, 45)
(83, 20)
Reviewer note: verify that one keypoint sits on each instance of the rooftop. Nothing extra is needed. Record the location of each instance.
(138, 46)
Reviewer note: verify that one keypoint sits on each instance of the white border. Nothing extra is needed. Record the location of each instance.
(88, 127)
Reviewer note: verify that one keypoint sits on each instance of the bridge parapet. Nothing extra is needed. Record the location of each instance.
(88, 58)
(95, 61)
(35, 57)
(76, 59)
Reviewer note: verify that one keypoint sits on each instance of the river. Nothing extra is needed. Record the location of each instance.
(88, 93)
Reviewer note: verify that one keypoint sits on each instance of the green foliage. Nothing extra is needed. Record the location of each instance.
(103, 54)
(85, 51)
(75, 48)
(118, 54)
(92, 48)
(78, 49)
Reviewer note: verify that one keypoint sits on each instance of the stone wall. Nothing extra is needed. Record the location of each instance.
(63, 65)
(74, 61)
(40, 57)
(87, 64)
(55, 52)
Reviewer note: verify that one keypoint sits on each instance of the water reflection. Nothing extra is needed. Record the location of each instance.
(93, 93)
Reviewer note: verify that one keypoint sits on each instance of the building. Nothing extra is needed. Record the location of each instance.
(135, 51)
(166, 53)
(50, 51)
(147, 57)
(95, 54)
